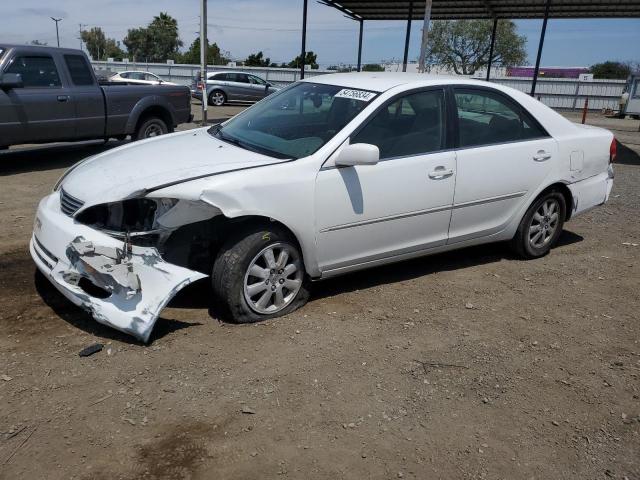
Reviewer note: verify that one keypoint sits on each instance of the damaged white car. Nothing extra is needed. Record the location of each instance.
(329, 175)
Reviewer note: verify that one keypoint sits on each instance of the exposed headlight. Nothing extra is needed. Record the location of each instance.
(136, 216)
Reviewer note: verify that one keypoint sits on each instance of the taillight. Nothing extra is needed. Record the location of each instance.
(613, 150)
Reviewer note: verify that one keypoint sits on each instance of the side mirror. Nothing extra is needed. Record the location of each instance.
(11, 80)
(358, 154)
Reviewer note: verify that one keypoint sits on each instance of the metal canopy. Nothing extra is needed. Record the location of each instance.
(485, 9)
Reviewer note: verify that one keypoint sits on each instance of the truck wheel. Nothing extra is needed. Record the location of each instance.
(151, 127)
(259, 274)
(217, 98)
(541, 226)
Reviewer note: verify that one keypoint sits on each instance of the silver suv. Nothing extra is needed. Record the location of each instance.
(223, 87)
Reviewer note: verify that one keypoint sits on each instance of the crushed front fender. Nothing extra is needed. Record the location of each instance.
(136, 289)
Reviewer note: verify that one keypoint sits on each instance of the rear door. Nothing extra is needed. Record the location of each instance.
(43, 109)
(88, 98)
(503, 155)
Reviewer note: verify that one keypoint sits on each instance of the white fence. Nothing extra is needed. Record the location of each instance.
(561, 93)
(184, 74)
(569, 93)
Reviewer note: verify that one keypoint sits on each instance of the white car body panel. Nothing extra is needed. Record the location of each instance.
(344, 218)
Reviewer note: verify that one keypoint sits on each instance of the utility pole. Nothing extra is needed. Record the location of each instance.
(80, 25)
(203, 58)
(425, 36)
(57, 34)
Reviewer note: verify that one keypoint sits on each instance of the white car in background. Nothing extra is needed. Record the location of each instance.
(329, 175)
(139, 77)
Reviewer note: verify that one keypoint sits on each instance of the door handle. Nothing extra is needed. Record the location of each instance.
(440, 172)
(63, 98)
(541, 156)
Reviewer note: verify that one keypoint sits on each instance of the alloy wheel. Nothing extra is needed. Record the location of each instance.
(273, 278)
(544, 223)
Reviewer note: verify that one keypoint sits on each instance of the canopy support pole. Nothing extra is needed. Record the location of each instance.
(360, 46)
(493, 43)
(540, 45)
(303, 52)
(406, 40)
(425, 36)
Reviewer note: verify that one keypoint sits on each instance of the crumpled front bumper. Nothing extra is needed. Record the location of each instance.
(134, 285)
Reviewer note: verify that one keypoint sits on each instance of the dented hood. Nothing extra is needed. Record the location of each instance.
(139, 166)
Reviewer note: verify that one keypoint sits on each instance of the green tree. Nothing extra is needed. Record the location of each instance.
(96, 42)
(610, 69)
(157, 42)
(192, 55)
(372, 67)
(463, 45)
(99, 46)
(309, 59)
(257, 60)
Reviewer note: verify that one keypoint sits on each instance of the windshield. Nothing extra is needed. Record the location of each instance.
(296, 121)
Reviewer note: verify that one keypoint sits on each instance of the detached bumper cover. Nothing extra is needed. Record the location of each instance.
(137, 285)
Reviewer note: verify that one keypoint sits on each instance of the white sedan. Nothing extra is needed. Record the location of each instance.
(329, 175)
(141, 78)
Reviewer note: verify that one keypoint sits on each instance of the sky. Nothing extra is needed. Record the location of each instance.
(274, 26)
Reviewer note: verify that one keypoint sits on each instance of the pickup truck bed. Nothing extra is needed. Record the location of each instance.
(51, 94)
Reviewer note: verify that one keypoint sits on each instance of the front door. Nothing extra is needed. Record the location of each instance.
(402, 204)
(43, 107)
(503, 157)
(258, 88)
(239, 86)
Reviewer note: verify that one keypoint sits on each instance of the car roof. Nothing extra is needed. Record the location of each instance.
(136, 71)
(382, 81)
(231, 71)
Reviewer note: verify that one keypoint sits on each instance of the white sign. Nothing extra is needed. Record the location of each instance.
(361, 95)
(586, 77)
(171, 62)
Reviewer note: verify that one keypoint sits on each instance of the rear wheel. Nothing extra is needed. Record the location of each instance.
(151, 127)
(217, 98)
(541, 226)
(259, 274)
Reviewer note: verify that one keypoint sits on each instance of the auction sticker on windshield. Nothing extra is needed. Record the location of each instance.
(361, 95)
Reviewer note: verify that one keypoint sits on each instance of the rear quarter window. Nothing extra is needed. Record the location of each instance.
(79, 70)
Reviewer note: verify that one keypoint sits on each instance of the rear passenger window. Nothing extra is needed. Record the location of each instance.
(411, 125)
(36, 71)
(485, 118)
(79, 70)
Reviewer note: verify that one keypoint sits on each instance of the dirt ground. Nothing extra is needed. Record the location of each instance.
(470, 364)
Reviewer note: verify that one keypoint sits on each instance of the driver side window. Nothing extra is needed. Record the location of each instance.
(411, 125)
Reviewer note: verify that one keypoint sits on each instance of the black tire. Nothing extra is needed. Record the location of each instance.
(521, 243)
(233, 262)
(151, 127)
(212, 98)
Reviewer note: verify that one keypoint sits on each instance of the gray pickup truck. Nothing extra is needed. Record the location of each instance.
(51, 94)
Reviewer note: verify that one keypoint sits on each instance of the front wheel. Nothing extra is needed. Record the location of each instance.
(217, 98)
(541, 226)
(259, 274)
